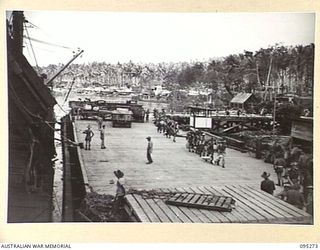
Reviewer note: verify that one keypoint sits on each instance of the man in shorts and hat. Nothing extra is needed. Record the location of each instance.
(267, 185)
(149, 150)
(89, 135)
(279, 165)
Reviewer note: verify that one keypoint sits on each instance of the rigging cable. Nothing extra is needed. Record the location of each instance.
(47, 43)
(34, 55)
(21, 104)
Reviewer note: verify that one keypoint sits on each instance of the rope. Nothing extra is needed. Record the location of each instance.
(61, 108)
(37, 116)
(34, 55)
(47, 43)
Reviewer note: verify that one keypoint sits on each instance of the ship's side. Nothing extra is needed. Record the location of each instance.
(31, 134)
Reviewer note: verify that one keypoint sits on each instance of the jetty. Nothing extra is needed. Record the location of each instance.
(175, 170)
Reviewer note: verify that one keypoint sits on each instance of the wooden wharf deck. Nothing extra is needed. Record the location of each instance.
(176, 169)
(252, 206)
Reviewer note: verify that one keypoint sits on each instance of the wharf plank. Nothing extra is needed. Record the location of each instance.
(241, 212)
(235, 211)
(261, 203)
(148, 211)
(245, 208)
(137, 210)
(195, 198)
(203, 198)
(266, 202)
(268, 216)
(193, 218)
(190, 212)
(168, 212)
(157, 210)
(183, 197)
(209, 213)
(292, 210)
(220, 201)
(229, 215)
(198, 212)
(219, 215)
(176, 210)
(251, 206)
(176, 196)
(214, 200)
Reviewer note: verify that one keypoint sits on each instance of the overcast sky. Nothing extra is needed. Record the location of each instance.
(161, 37)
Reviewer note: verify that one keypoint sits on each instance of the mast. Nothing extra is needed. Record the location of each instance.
(17, 23)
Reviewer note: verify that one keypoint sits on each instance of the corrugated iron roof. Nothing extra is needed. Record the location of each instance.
(241, 98)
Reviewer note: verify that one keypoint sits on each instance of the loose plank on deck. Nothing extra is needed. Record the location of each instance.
(198, 211)
(176, 210)
(229, 215)
(218, 214)
(187, 211)
(209, 213)
(234, 211)
(198, 216)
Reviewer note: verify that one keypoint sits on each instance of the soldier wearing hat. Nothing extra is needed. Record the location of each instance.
(120, 190)
(267, 185)
(89, 135)
(149, 150)
(283, 195)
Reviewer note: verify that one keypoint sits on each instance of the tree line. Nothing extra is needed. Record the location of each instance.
(288, 69)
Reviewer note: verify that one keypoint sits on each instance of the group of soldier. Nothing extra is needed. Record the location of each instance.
(295, 165)
(165, 125)
(294, 169)
(211, 149)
